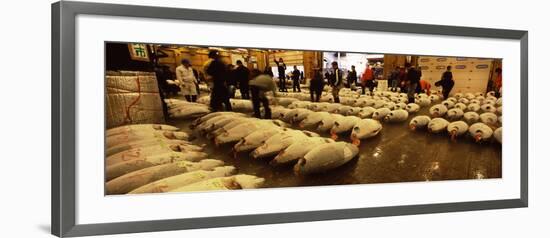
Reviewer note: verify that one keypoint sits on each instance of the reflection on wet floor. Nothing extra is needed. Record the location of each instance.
(397, 154)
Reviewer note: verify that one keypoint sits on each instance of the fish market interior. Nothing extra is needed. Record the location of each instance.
(183, 118)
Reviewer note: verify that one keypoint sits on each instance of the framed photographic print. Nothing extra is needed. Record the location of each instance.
(166, 119)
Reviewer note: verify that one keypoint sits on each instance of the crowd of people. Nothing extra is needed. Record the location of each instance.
(254, 84)
(225, 79)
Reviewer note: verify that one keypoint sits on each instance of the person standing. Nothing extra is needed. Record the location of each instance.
(259, 86)
(497, 85)
(402, 79)
(241, 75)
(413, 78)
(316, 85)
(296, 80)
(198, 77)
(446, 82)
(367, 79)
(217, 72)
(281, 68)
(268, 71)
(187, 80)
(336, 81)
(162, 76)
(352, 77)
(231, 81)
(394, 79)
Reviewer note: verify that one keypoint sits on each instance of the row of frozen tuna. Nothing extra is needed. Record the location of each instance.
(479, 131)
(188, 110)
(152, 158)
(470, 110)
(274, 141)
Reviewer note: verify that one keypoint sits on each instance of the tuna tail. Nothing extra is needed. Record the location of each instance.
(477, 138)
(333, 135)
(453, 135)
(298, 167)
(355, 140)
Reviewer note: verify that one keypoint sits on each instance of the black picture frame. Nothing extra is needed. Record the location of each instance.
(64, 107)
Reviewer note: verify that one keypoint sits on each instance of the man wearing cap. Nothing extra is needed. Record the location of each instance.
(336, 81)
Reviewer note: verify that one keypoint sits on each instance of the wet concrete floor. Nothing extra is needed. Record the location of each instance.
(397, 154)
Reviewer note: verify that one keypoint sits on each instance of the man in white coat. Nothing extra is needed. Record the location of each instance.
(187, 80)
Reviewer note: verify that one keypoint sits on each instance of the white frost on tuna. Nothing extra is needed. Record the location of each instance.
(456, 129)
(325, 157)
(419, 122)
(437, 125)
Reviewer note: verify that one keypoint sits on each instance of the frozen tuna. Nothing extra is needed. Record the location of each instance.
(313, 119)
(397, 116)
(298, 149)
(343, 125)
(380, 113)
(488, 118)
(461, 106)
(438, 110)
(151, 142)
(277, 143)
(326, 157)
(412, 108)
(419, 122)
(488, 108)
(437, 125)
(142, 152)
(480, 132)
(134, 136)
(457, 128)
(498, 135)
(328, 122)
(364, 129)
(366, 112)
(255, 139)
(473, 107)
(240, 181)
(119, 169)
(173, 182)
(133, 180)
(242, 130)
(455, 114)
(139, 127)
(471, 117)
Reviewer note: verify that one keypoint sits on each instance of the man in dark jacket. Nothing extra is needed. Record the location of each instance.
(218, 73)
(413, 78)
(316, 85)
(296, 80)
(336, 81)
(231, 80)
(446, 82)
(352, 77)
(241, 74)
(281, 67)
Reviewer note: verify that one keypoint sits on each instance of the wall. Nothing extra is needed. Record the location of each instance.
(26, 122)
(471, 75)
